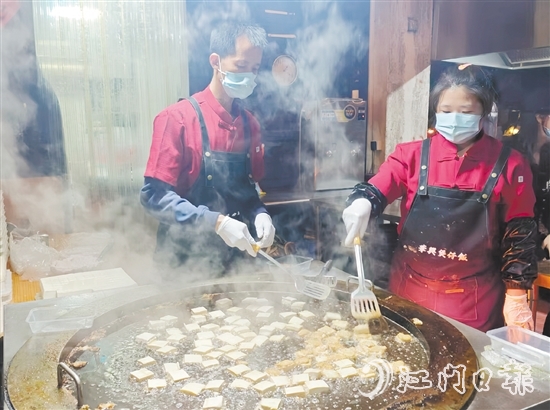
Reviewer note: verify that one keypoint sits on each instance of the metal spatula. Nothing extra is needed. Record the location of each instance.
(364, 305)
(307, 287)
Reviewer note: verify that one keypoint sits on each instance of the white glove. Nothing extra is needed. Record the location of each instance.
(264, 229)
(356, 218)
(546, 243)
(517, 313)
(235, 234)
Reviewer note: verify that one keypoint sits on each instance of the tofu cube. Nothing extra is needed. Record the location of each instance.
(208, 364)
(330, 316)
(361, 329)
(235, 311)
(142, 374)
(243, 322)
(192, 389)
(192, 327)
(203, 342)
(326, 331)
(339, 324)
(297, 306)
(227, 328)
(169, 320)
(216, 314)
(266, 330)
(277, 338)
(251, 308)
(224, 303)
(255, 376)
(145, 337)
(248, 335)
(264, 387)
(157, 344)
(295, 391)
(234, 340)
(146, 361)
(240, 384)
(259, 340)
(295, 320)
(348, 372)
(167, 350)
(210, 327)
(279, 325)
(287, 315)
(293, 327)
(313, 373)
(178, 375)
(280, 381)
(247, 346)
(192, 358)
(235, 355)
(249, 301)
(156, 384)
(227, 348)
(403, 338)
(238, 330)
(206, 335)
(201, 310)
(171, 367)
(263, 317)
(299, 378)
(330, 374)
(343, 363)
(270, 403)
(306, 315)
(266, 309)
(203, 349)
(173, 331)
(214, 385)
(317, 387)
(287, 301)
(198, 319)
(157, 324)
(231, 319)
(216, 354)
(238, 369)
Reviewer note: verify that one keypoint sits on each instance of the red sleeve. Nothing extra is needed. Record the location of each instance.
(517, 193)
(167, 148)
(256, 148)
(393, 177)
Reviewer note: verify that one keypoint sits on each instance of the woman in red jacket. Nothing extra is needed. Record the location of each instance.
(467, 234)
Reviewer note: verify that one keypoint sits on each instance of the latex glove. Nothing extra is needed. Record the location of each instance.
(546, 243)
(356, 218)
(264, 229)
(235, 234)
(517, 313)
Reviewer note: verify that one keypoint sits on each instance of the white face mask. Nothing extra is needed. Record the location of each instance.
(238, 85)
(546, 131)
(456, 127)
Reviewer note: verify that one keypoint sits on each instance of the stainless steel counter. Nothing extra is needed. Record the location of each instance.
(17, 333)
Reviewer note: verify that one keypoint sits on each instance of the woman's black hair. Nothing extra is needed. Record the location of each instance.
(473, 78)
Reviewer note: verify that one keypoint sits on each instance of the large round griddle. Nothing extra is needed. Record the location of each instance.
(32, 382)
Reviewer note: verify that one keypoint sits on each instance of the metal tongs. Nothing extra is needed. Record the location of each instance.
(364, 304)
(307, 287)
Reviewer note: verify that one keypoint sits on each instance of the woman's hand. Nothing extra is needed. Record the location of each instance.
(516, 309)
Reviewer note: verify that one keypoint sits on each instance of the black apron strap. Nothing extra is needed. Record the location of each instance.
(495, 174)
(424, 159)
(247, 142)
(206, 155)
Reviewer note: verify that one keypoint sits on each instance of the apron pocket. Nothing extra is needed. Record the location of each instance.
(458, 302)
(412, 289)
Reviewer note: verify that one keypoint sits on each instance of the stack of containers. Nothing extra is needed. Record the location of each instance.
(5, 274)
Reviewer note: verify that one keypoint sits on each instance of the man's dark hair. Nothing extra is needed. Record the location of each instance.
(224, 37)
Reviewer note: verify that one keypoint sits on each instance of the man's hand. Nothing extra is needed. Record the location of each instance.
(356, 218)
(265, 230)
(235, 234)
(516, 311)
(546, 244)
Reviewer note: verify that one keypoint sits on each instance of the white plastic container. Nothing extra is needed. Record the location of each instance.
(298, 265)
(57, 319)
(522, 345)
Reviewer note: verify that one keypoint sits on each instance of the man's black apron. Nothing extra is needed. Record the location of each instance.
(224, 185)
(446, 259)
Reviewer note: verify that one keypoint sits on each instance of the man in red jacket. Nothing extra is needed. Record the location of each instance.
(205, 158)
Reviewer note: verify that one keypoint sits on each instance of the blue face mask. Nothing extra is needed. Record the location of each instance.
(456, 127)
(238, 85)
(546, 131)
